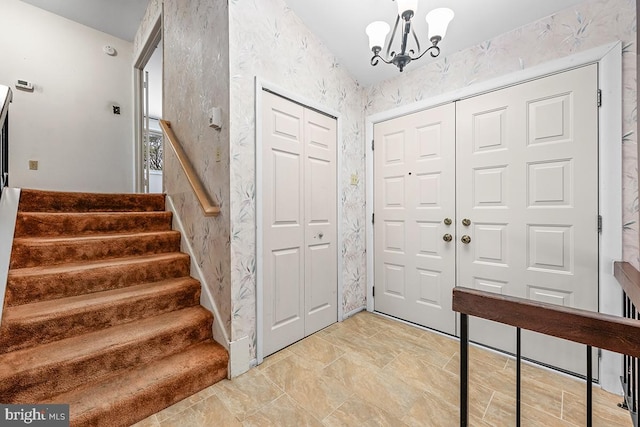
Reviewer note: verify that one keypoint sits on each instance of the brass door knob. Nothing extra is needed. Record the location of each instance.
(466, 222)
(447, 221)
(465, 239)
(447, 237)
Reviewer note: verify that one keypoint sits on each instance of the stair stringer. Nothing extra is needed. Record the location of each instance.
(8, 214)
(206, 298)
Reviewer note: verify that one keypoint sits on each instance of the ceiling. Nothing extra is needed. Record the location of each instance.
(337, 21)
(120, 18)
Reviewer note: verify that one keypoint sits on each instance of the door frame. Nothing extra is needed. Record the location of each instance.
(260, 85)
(609, 60)
(149, 47)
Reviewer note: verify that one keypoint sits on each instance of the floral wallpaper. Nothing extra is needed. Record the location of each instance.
(260, 31)
(587, 25)
(213, 52)
(154, 9)
(196, 78)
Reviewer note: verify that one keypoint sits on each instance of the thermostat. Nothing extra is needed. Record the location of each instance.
(24, 85)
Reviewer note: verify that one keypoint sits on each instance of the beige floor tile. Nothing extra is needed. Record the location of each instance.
(369, 324)
(548, 377)
(318, 394)
(176, 408)
(436, 356)
(208, 412)
(574, 411)
(247, 393)
(286, 372)
(151, 421)
(443, 343)
(349, 370)
(502, 412)
(282, 412)
(412, 370)
(274, 358)
(317, 349)
(376, 352)
(432, 410)
(357, 412)
(389, 392)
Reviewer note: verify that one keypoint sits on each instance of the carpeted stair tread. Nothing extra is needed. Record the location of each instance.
(30, 224)
(46, 321)
(26, 285)
(135, 394)
(33, 251)
(60, 201)
(29, 374)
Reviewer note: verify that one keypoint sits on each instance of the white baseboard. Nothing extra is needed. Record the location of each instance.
(353, 312)
(239, 362)
(206, 299)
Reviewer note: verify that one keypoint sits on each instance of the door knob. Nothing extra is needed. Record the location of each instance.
(466, 222)
(447, 221)
(447, 237)
(465, 239)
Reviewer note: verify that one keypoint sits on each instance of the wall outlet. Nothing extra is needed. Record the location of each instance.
(33, 165)
(354, 179)
(218, 154)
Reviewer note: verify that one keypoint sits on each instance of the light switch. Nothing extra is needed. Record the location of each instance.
(354, 179)
(33, 165)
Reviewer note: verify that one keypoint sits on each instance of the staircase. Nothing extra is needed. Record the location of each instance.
(100, 310)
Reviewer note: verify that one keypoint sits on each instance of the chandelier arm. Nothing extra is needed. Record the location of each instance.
(415, 37)
(393, 34)
(433, 51)
(376, 58)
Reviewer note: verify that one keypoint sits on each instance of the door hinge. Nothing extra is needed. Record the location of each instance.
(373, 218)
(599, 223)
(599, 353)
(374, 291)
(599, 97)
(372, 144)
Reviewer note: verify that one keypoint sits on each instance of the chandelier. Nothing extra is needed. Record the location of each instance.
(437, 19)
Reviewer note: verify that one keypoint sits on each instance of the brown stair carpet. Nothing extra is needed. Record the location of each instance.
(100, 311)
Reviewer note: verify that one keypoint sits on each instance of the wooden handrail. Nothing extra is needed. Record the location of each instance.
(629, 279)
(203, 197)
(618, 334)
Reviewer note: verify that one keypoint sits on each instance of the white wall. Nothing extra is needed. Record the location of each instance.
(66, 123)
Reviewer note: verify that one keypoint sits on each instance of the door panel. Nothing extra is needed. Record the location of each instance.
(414, 162)
(299, 222)
(283, 223)
(527, 179)
(321, 269)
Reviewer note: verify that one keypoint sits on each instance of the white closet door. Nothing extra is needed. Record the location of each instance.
(527, 180)
(414, 163)
(321, 273)
(299, 222)
(283, 222)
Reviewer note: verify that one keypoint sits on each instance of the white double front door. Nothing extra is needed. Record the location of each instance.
(299, 222)
(516, 173)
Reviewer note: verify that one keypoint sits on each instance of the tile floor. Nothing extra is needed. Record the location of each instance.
(373, 371)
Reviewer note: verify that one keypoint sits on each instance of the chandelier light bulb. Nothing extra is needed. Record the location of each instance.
(377, 32)
(438, 21)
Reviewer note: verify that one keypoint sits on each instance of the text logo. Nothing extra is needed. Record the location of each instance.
(34, 415)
